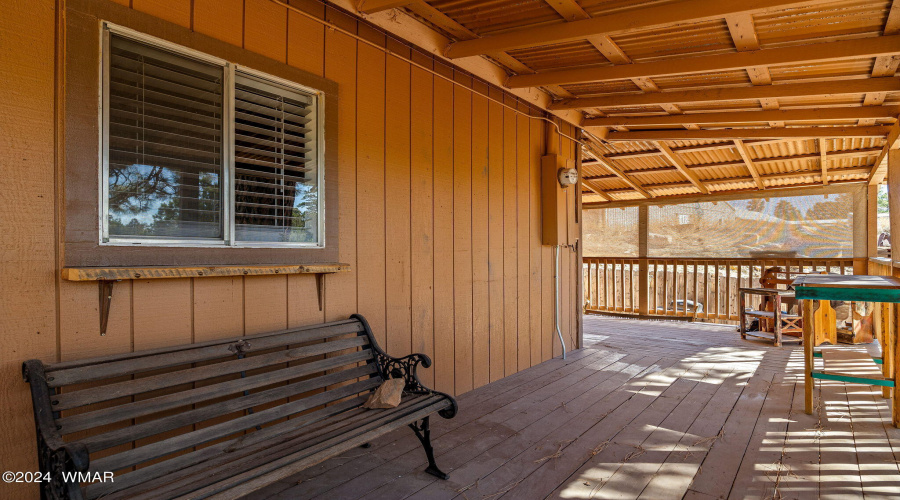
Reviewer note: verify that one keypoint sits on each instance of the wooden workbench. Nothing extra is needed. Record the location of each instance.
(852, 367)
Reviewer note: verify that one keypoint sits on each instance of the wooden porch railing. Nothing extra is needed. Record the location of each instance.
(881, 267)
(687, 287)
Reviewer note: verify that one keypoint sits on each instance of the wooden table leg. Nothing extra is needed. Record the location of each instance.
(808, 346)
(777, 312)
(742, 315)
(884, 324)
(895, 359)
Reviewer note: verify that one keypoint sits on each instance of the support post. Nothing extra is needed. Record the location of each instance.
(579, 250)
(644, 270)
(893, 184)
(861, 236)
(871, 223)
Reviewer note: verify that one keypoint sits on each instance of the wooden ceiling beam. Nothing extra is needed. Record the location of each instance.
(749, 133)
(737, 180)
(730, 194)
(832, 88)
(679, 164)
(811, 115)
(858, 153)
(626, 21)
(729, 145)
(798, 54)
(884, 65)
(373, 6)
(460, 32)
(743, 34)
(823, 160)
(571, 11)
(748, 162)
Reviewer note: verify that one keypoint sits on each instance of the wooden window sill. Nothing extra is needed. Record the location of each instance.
(158, 272)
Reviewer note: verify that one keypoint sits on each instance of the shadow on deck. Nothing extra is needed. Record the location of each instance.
(656, 410)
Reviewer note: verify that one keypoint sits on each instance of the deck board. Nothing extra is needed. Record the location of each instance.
(697, 412)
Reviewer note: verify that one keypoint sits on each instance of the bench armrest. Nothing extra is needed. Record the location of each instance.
(54, 455)
(406, 368)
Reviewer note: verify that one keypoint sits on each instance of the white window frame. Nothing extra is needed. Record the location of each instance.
(227, 182)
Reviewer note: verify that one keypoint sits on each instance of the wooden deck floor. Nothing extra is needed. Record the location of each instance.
(655, 410)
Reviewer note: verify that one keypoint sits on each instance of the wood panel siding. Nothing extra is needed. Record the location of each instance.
(439, 207)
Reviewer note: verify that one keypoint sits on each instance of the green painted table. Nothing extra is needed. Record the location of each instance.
(813, 288)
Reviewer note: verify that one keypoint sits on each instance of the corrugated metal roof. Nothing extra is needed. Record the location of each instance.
(721, 168)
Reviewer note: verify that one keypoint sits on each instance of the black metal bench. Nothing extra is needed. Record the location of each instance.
(220, 419)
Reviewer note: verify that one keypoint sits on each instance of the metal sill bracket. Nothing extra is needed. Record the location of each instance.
(106, 292)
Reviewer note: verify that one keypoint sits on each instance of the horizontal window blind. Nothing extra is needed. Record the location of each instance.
(275, 173)
(199, 150)
(164, 143)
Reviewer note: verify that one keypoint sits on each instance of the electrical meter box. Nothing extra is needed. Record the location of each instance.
(554, 207)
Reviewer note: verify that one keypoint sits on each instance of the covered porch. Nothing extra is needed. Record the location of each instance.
(648, 409)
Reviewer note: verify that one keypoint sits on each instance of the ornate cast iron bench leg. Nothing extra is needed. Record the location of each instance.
(424, 434)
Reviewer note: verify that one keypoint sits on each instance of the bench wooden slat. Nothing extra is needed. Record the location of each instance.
(69, 400)
(158, 449)
(245, 483)
(201, 419)
(64, 365)
(168, 360)
(219, 451)
(187, 480)
(98, 418)
(181, 419)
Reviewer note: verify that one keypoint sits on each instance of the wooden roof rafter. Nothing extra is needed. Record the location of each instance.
(589, 184)
(715, 82)
(571, 11)
(612, 167)
(437, 18)
(859, 171)
(630, 20)
(884, 65)
(858, 153)
(732, 117)
(743, 33)
(795, 54)
(711, 95)
(748, 133)
(748, 162)
(679, 164)
(879, 172)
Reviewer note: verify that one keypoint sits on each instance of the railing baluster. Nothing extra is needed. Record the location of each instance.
(615, 284)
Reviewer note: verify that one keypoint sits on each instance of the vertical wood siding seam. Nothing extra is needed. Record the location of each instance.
(472, 231)
(58, 165)
(409, 222)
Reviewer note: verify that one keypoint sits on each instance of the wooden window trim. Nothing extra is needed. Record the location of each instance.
(81, 176)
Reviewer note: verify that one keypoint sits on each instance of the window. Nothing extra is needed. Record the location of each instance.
(200, 151)
(684, 219)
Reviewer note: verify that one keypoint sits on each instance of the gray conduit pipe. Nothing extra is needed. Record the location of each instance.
(556, 305)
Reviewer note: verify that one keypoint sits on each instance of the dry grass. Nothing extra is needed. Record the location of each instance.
(557, 454)
(599, 448)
